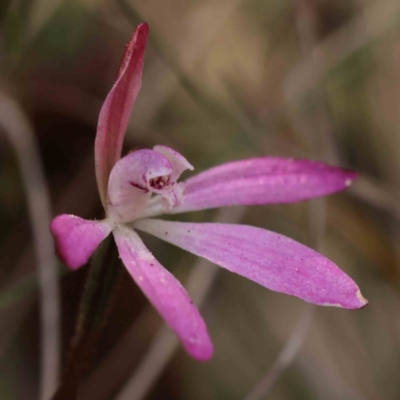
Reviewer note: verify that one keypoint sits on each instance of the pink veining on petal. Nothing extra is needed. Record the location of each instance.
(178, 162)
(260, 181)
(270, 259)
(116, 110)
(76, 238)
(165, 292)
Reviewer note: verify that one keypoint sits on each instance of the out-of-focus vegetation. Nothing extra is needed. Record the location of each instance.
(223, 80)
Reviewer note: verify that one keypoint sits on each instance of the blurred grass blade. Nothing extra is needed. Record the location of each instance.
(22, 137)
(286, 356)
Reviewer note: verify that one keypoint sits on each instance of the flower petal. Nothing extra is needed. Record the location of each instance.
(259, 181)
(178, 162)
(76, 238)
(270, 259)
(165, 292)
(116, 110)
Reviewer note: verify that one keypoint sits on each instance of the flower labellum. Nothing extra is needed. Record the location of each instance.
(145, 183)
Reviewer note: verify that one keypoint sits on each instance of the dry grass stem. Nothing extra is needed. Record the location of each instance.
(21, 136)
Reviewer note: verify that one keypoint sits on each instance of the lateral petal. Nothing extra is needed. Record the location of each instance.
(259, 181)
(165, 292)
(116, 110)
(76, 239)
(272, 260)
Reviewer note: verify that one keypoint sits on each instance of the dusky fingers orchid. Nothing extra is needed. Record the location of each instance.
(144, 184)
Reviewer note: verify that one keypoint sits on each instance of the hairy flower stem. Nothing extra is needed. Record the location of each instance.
(97, 300)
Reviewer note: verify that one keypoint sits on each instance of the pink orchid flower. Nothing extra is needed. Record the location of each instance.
(145, 184)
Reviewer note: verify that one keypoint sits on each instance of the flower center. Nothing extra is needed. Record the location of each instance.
(160, 182)
(140, 174)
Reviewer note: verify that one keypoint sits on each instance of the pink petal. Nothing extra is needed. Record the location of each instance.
(165, 292)
(178, 162)
(116, 110)
(260, 181)
(76, 238)
(270, 259)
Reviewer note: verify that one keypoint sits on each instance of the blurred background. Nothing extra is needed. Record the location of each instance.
(223, 80)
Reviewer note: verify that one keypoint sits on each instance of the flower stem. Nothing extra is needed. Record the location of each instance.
(97, 300)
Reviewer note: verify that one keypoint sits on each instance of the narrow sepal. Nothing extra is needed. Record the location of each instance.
(255, 181)
(270, 259)
(165, 292)
(116, 110)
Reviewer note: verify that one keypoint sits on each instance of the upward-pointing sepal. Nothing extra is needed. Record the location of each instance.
(116, 110)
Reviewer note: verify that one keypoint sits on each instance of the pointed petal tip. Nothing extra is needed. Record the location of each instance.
(138, 39)
(356, 302)
(137, 43)
(363, 301)
(350, 177)
(143, 29)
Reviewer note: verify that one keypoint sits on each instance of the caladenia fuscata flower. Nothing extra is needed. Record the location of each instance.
(145, 184)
